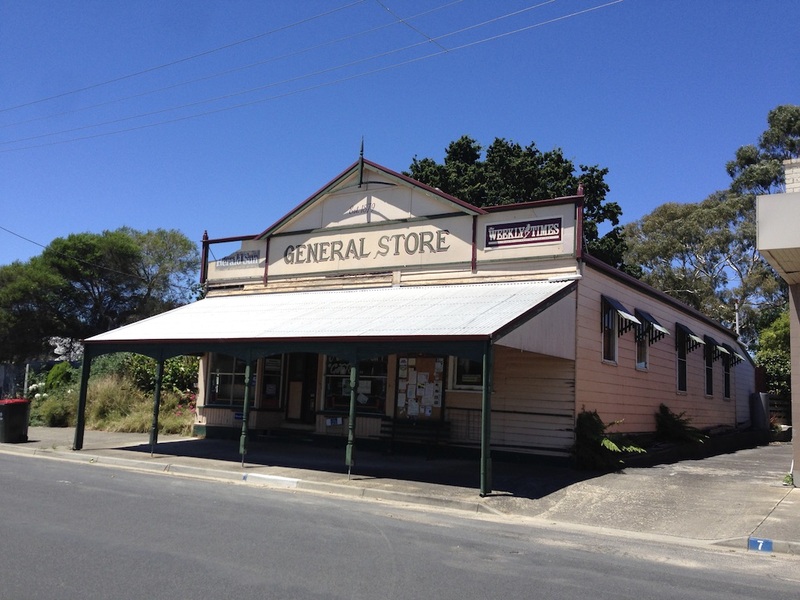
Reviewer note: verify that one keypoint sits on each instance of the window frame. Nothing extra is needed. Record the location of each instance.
(726, 373)
(642, 349)
(708, 356)
(609, 327)
(236, 381)
(455, 378)
(681, 357)
(336, 381)
(686, 341)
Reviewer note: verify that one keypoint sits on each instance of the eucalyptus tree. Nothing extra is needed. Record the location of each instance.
(758, 168)
(88, 283)
(704, 254)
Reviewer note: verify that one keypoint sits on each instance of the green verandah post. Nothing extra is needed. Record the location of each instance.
(80, 420)
(486, 421)
(156, 404)
(351, 423)
(245, 410)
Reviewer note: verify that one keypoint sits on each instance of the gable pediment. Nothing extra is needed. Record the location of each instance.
(368, 196)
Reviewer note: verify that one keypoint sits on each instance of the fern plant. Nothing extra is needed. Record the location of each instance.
(595, 447)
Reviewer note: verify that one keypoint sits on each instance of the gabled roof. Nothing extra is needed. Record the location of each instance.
(363, 166)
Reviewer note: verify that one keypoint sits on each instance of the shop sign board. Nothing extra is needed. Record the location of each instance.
(535, 231)
(444, 241)
(242, 259)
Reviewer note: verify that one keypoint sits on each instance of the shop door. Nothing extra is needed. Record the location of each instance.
(301, 405)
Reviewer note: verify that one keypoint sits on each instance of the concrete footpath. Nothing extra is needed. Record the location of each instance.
(737, 500)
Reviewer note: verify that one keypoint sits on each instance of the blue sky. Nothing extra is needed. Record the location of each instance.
(222, 116)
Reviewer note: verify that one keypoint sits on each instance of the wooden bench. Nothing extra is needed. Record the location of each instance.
(414, 431)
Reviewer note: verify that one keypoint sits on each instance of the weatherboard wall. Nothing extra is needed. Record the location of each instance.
(620, 391)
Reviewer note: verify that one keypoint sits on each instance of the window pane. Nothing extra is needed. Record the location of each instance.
(642, 351)
(609, 333)
(226, 380)
(469, 372)
(680, 342)
(371, 390)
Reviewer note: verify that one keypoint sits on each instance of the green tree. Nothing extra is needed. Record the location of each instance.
(24, 291)
(773, 354)
(86, 283)
(704, 254)
(167, 266)
(510, 173)
(758, 168)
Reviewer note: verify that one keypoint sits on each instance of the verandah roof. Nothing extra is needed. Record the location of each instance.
(458, 318)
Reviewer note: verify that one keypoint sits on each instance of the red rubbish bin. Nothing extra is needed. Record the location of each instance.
(14, 416)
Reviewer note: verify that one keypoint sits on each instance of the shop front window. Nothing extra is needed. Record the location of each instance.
(370, 389)
(226, 380)
(468, 374)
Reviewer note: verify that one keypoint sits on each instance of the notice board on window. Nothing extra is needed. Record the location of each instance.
(420, 387)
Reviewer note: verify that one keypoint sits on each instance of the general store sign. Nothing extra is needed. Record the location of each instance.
(537, 231)
(376, 249)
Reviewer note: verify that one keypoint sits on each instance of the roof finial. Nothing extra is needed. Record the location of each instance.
(361, 164)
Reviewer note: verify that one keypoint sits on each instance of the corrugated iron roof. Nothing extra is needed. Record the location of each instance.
(453, 311)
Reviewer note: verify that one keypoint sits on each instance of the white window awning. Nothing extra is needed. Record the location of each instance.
(621, 310)
(471, 312)
(651, 322)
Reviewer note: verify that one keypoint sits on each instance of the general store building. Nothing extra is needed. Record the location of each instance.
(381, 306)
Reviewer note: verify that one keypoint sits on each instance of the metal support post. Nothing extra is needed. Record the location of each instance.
(486, 422)
(245, 412)
(80, 420)
(351, 422)
(156, 405)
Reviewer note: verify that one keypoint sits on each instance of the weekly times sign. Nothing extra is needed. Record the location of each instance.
(523, 232)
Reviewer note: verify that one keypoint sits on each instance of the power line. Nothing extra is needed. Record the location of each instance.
(305, 76)
(182, 60)
(409, 25)
(243, 92)
(230, 71)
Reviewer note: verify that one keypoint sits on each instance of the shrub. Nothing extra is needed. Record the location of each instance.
(109, 364)
(676, 428)
(62, 374)
(56, 411)
(180, 372)
(594, 447)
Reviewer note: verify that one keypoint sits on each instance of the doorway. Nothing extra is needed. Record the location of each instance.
(301, 390)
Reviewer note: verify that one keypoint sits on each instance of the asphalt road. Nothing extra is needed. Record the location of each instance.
(77, 531)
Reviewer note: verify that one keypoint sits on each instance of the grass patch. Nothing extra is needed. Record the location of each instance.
(115, 403)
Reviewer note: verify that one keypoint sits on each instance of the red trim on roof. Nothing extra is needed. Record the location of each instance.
(293, 340)
(649, 290)
(534, 204)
